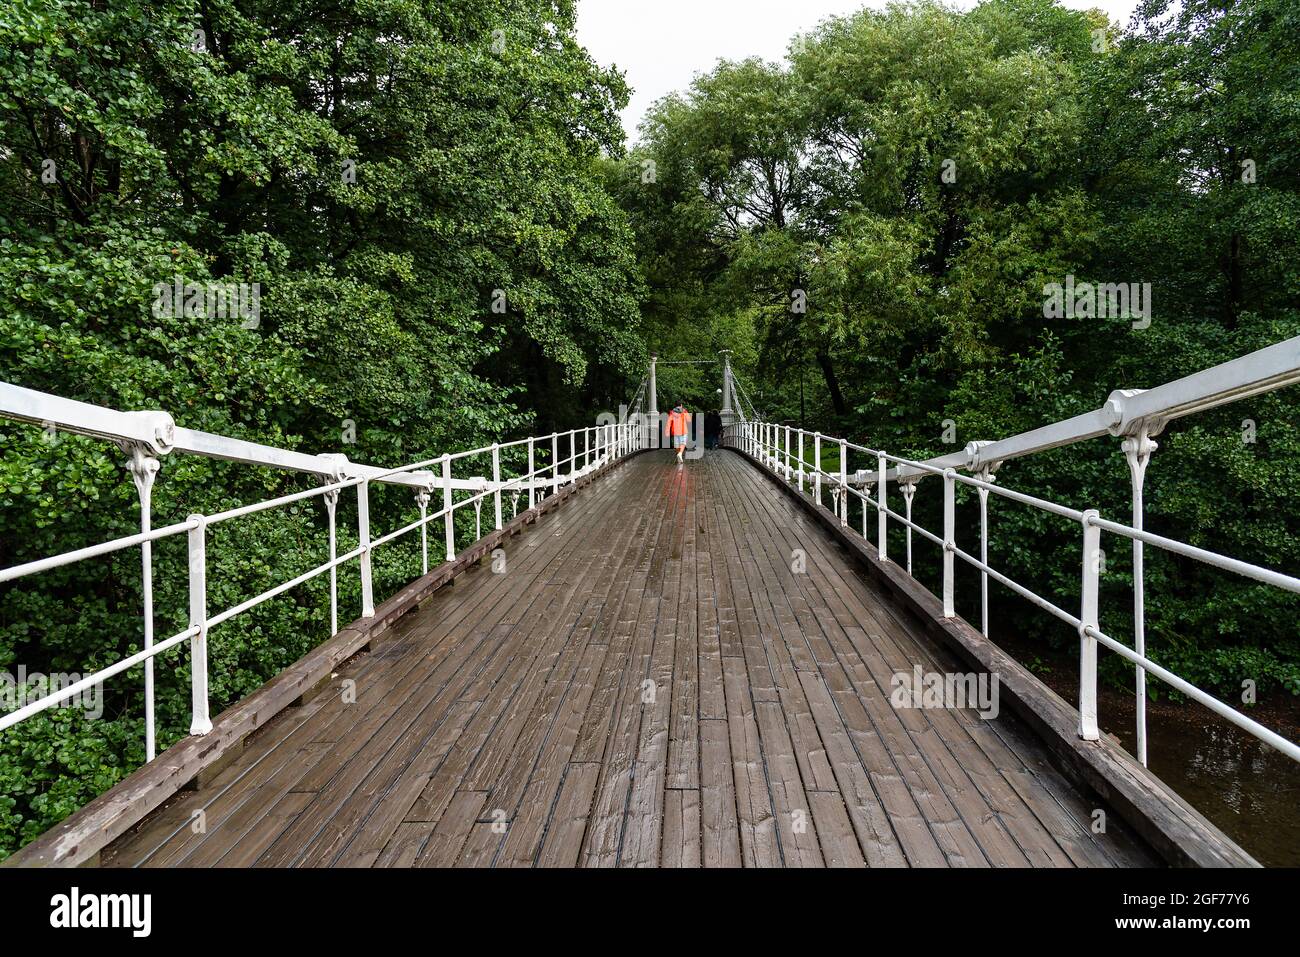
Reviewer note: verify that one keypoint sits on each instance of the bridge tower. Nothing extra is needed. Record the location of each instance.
(652, 388)
(728, 390)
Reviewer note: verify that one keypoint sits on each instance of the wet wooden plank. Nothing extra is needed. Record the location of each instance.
(681, 843)
(452, 833)
(562, 844)
(758, 840)
(719, 826)
(838, 842)
(603, 840)
(403, 848)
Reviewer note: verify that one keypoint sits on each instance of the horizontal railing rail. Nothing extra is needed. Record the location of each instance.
(783, 450)
(147, 437)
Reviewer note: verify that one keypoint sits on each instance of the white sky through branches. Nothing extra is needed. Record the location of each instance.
(662, 44)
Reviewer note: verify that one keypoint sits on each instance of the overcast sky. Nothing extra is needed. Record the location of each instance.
(662, 44)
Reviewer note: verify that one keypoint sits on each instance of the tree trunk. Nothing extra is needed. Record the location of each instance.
(832, 383)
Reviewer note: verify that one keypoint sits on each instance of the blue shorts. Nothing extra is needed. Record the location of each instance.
(679, 441)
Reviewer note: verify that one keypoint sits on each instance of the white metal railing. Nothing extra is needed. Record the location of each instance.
(147, 436)
(1135, 416)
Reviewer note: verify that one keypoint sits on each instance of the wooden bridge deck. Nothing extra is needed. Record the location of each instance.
(648, 683)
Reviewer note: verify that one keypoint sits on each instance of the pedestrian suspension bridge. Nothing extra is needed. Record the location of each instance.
(620, 661)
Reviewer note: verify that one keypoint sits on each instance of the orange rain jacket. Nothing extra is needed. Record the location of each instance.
(679, 423)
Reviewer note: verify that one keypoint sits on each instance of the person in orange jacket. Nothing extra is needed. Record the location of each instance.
(679, 424)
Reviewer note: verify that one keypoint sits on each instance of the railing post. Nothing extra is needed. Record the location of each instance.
(844, 483)
(532, 491)
(1088, 618)
(422, 500)
(555, 462)
(985, 475)
(882, 502)
(496, 481)
(909, 490)
(573, 455)
(586, 449)
(331, 509)
(817, 464)
(787, 453)
(363, 531)
(144, 469)
(200, 723)
(801, 469)
(1137, 450)
(449, 519)
(949, 541)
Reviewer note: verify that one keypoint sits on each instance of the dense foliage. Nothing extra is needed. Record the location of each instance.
(417, 189)
(872, 223)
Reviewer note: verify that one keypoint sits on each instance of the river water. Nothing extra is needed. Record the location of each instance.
(1249, 790)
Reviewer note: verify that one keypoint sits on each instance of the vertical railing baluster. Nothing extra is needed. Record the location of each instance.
(331, 509)
(200, 723)
(496, 481)
(1089, 618)
(844, 483)
(555, 463)
(817, 463)
(532, 479)
(801, 467)
(363, 532)
(984, 554)
(422, 500)
(909, 490)
(144, 469)
(1137, 450)
(882, 503)
(449, 519)
(949, 541)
